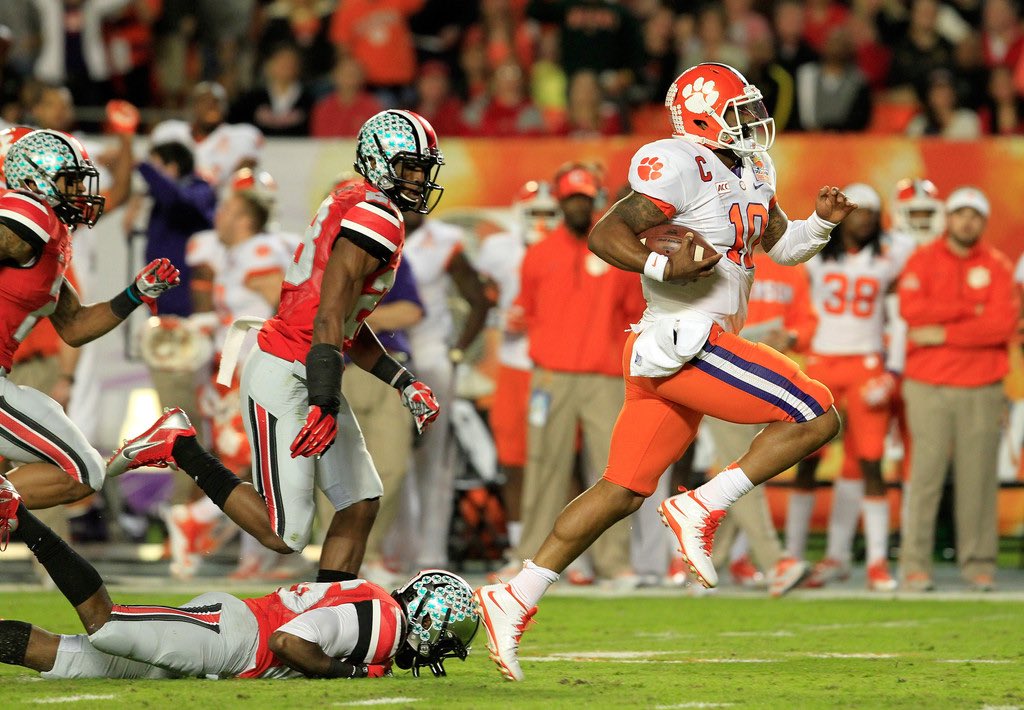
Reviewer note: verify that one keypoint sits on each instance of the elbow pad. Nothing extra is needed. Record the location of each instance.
(803, 239)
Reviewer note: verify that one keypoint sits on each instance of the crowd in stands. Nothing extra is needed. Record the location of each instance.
(525, 67)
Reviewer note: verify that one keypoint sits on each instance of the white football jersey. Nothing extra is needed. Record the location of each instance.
(849, 296)
(261, 254)
(429, 250)
(499, 258)
(728, 207)
(205, 249)
(219, 154)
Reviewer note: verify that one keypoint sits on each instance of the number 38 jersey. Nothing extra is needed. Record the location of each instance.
(729, 207)
(849, 294)
(370, 220)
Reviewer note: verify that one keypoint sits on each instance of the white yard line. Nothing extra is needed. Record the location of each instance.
(376, 701)
(974, 660)
(695, 704)
(70, 699)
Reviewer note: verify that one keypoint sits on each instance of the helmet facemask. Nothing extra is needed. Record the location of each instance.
(746, 127)
(78, 201)
(428, 192)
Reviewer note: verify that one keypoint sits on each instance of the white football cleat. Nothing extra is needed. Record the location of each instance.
(788, 573)
(826, 571)
(9, 502)
(694, 526)
(879, 579)
(154, 446)
(505, 618)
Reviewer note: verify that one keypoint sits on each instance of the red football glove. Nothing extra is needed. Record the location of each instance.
(157, 278)
(419, 400)
(122, 117)
(317, 435)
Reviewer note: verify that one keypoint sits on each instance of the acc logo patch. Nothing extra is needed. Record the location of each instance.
(979, 277)
(650, 168)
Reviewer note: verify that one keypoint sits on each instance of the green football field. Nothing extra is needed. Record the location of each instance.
(653, 652)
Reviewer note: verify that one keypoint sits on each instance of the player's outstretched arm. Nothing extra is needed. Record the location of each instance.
(615, 239)
(77, 324)
(790, 242)
(310, 660)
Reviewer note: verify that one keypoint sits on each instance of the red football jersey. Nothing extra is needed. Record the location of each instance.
(30, 293)
(380, 619)
(366, 217)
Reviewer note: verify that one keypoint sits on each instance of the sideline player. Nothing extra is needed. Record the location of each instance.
(53, 189)
(850, 279)
(351, 629)
(291, 384)
(684, 360)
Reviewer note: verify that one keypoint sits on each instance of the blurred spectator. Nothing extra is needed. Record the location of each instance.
(745, 25)
(52, 107)
(304, 23)
(711, 43)
(73, 50)
(172, 33)
(129, 36)
(820, 18)
(376, 33)
(599, 35)
(922, 49)
(958, 299)
(435, 100)
(503, 35)
(1001, 36)
(575, 307)
(548, 82)
(222, 28)
(833, 94)
(21, 17)
(590, 115)
(1003, 113)
(475, 73)
(792, 50)
(437, 28)
(11, 109)
(281, 105)
(183, 204)
(776, 84)
(343, 112)
(661, 66)
(873, 57)
(970, 71)
(506, 111)
(942, 114)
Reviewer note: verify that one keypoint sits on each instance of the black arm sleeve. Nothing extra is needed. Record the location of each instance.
(323, 377)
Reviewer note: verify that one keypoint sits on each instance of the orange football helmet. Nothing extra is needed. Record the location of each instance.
(714, 105)
(536, 211)
(917, 209)
(260, 183)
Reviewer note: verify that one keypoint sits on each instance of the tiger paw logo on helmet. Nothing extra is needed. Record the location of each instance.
(650, 168)
(700, 95)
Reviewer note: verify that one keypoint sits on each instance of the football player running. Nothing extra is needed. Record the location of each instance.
(53, 190)
(351, 629)
(291, 384)
(684, 359)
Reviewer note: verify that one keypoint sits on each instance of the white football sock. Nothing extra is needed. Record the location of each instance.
(515, 532)
(798, 521)
(876, 528)
(842, 520)
(740, 547)
(531, 583)
(724, 489)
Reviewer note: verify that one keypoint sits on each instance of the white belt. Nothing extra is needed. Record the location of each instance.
(233, 346)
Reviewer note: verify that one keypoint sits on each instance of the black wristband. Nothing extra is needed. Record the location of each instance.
(388, 369)
(344, 669)
(125, 302)
(323, 377)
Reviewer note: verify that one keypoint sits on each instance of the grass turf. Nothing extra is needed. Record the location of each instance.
(652, 652)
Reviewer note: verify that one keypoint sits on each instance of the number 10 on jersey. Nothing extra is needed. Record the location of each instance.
(749, 230)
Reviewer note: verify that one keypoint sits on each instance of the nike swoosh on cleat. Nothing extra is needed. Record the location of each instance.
(130, 452)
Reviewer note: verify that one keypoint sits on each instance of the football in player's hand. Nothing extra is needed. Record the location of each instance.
(667, 238)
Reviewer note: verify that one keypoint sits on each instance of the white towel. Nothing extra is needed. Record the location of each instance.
(665, 345)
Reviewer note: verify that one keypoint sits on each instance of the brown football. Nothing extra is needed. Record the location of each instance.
(667, 238)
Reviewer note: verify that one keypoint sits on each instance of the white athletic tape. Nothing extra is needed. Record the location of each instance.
(698, 252)
(233, 346)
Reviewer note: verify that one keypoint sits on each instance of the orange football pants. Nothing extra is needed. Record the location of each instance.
(508, 415)
(730, 378)
(865, 427)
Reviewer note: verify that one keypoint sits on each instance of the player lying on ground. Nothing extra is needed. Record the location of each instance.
(351, 629)
(54, 189)
(291, 383)
(684, 360)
